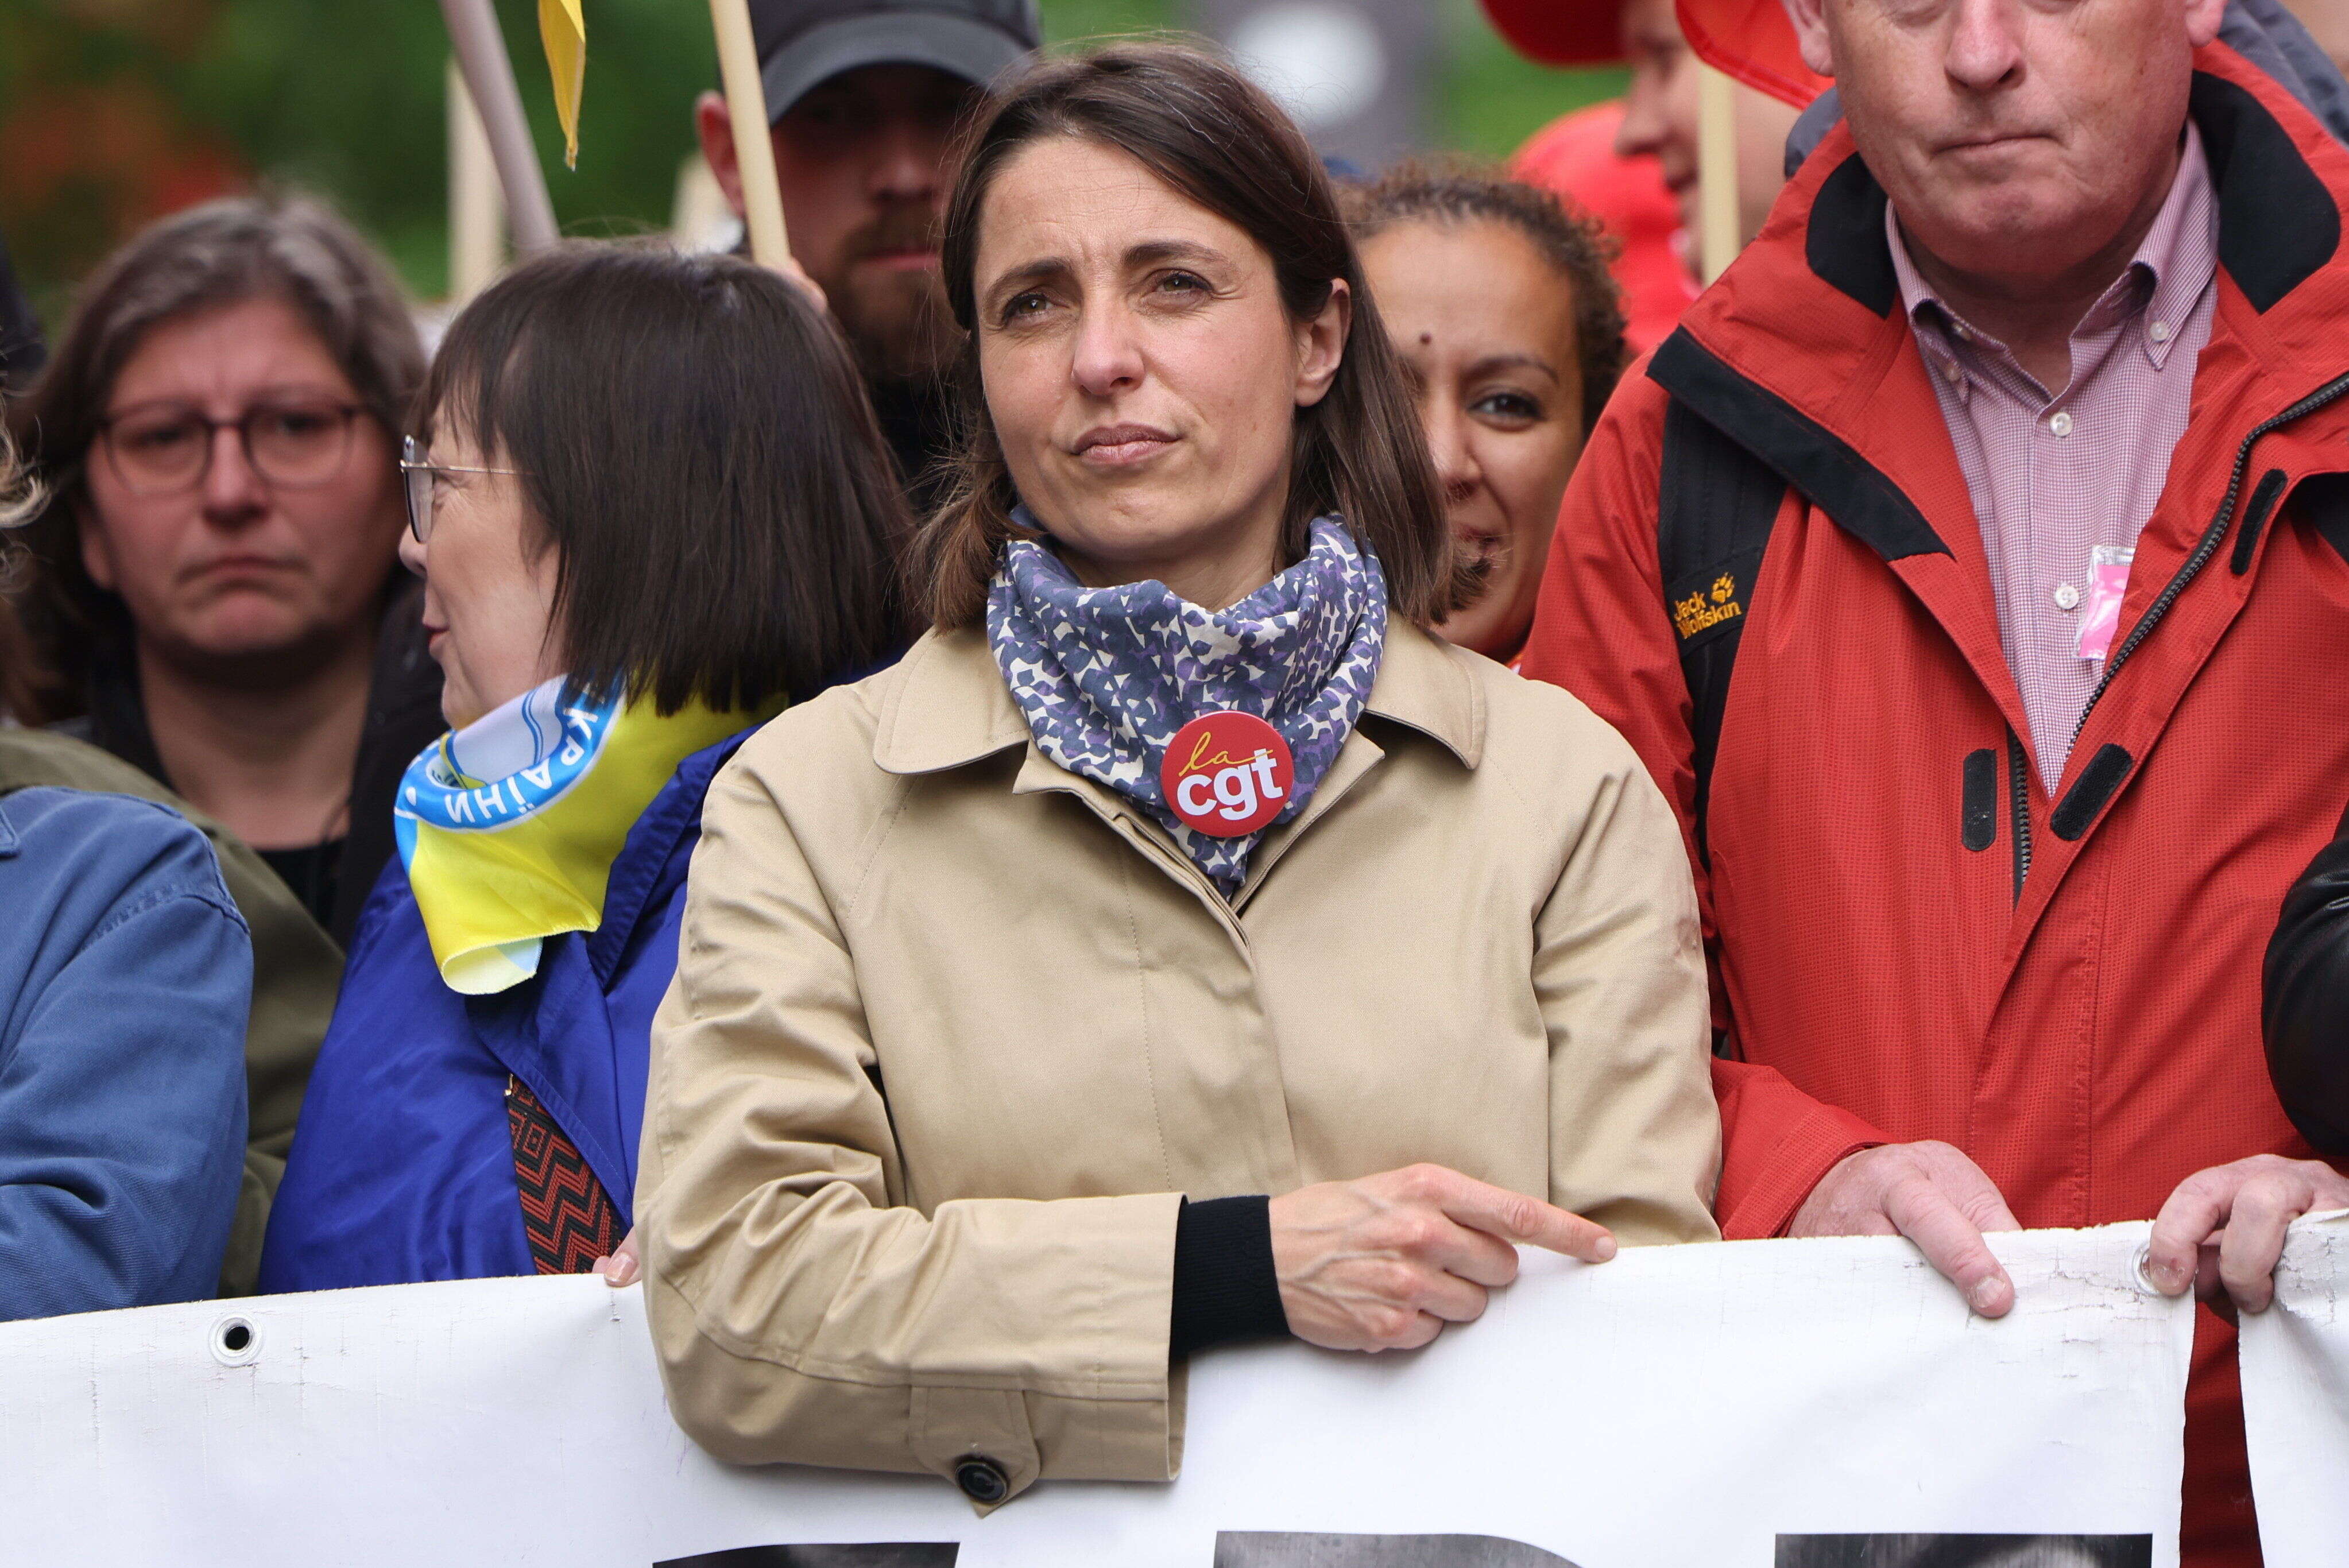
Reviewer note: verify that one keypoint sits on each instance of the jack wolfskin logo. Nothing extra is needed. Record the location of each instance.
(1698, 610)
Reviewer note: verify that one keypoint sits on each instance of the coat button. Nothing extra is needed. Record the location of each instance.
(981, 1479)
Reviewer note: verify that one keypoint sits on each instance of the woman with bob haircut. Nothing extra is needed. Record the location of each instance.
(1179, 943)
(651, 505)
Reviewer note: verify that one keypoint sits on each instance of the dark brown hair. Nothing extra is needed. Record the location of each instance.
(222, 253)
(695, 442)
(1576, 245)
(1199, 125)
(19, 497)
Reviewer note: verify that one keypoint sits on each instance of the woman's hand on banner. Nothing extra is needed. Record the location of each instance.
(1385, 1262)
(623, 1266)
(1932, 1194)
(2222, 1230)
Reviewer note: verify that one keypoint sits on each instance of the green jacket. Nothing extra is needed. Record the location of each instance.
(296, 969)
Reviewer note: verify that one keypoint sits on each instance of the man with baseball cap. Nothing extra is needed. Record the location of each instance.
(864, 96)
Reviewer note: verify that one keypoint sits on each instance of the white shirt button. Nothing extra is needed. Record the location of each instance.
(2067, 596)
(2060, 422)
(2159, 332)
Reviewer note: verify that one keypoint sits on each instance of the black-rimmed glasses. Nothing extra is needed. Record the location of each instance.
(161, 448)
(417, 478)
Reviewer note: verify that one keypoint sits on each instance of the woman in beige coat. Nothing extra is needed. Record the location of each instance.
(1179, 944)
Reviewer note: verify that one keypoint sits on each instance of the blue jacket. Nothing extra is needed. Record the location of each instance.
(402, 1166)
(125, 976)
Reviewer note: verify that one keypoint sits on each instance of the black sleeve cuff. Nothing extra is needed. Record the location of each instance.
(1226, 1287)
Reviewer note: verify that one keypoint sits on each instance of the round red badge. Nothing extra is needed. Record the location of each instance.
(1226, 774)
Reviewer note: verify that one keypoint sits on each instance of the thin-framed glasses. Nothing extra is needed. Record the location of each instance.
(417, 478)
(162, 448)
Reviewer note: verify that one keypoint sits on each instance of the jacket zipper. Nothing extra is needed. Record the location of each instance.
(2208, 546)
(2018, 769)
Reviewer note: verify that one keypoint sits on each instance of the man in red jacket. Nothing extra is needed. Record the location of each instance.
(2037, 708)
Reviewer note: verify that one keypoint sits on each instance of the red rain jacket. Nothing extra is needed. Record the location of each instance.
(1913, 938)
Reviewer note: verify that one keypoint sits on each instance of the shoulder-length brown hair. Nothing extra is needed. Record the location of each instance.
(1203, 129)
(223, 253)
(19, 499)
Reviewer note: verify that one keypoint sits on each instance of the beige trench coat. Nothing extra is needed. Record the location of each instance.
(953, 1030)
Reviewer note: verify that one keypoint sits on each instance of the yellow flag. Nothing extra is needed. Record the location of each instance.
(564, 30)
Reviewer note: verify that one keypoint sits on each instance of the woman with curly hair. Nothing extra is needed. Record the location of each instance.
(1511, 331)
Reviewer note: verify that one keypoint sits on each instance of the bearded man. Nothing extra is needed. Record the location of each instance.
(864, 96)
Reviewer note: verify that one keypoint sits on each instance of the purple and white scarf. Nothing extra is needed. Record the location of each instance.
(1106, 675)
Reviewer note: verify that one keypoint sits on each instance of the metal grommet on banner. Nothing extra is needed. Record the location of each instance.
(237, 1342)
(981, 1479)
(2140, 1264)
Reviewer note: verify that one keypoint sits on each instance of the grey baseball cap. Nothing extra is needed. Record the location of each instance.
(805, 42)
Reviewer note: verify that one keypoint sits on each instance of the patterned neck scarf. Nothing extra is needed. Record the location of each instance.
(1106, 675)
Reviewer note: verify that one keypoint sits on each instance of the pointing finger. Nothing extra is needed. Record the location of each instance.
(1514, 1217)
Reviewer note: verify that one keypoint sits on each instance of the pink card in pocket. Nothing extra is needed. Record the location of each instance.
(2100, 615)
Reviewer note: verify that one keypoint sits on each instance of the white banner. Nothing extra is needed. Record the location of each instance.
(2296, 1399)
(1825, 1404)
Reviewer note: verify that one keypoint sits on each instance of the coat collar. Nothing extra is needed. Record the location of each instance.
(1808, 317)
(948, 707)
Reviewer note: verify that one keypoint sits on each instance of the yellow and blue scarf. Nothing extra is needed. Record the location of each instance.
(509, 826)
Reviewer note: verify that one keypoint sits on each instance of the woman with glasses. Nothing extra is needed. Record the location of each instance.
(211, 598)
(651, 505)
(216, 596)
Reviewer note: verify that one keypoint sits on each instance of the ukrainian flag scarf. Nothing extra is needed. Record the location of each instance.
(509, 827)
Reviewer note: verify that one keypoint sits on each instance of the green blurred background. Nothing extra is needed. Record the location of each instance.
(113, 113)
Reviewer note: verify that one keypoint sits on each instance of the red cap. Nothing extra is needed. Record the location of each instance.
(1752, 42)
(1561, 32)
(1749, 40)
(1575, 158)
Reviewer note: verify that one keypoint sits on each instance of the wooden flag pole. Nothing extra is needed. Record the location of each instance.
(754, 154)
(1718, 239)
(480, 51)
(477, 216)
